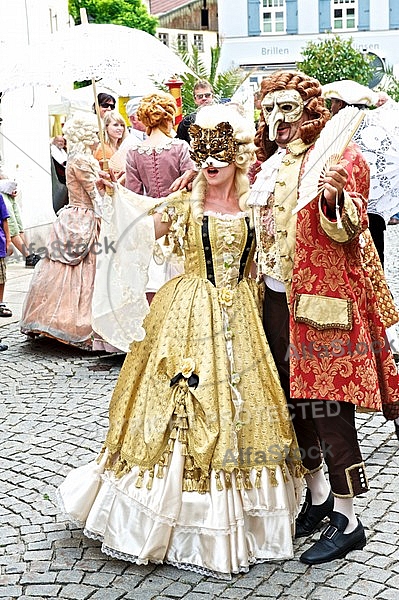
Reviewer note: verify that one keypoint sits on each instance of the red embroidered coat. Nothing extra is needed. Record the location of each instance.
(338, 346)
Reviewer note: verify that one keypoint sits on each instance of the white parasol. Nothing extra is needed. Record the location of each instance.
(113, 54)
(117, 56)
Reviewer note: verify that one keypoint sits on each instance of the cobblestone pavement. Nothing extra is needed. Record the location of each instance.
(54, 416)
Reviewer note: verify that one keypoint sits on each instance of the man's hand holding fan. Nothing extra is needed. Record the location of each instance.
(322, 172)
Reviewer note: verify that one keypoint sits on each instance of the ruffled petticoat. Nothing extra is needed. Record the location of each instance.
(218, 533)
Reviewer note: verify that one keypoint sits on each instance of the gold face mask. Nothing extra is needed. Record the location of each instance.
(213, 147)
(282, 106)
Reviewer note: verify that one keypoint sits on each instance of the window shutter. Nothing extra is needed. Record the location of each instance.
(254, 17)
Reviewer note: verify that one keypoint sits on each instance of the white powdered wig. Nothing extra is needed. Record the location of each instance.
(81, 132)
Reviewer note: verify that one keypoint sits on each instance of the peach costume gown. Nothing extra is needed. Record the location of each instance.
(59, 300)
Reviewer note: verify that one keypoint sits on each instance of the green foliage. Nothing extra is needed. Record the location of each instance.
(333, 59)
(130, 13)
(224, 84)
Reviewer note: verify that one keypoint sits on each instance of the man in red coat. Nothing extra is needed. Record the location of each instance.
(324, 315)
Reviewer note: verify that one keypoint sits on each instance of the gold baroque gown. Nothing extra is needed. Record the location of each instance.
(200, 467)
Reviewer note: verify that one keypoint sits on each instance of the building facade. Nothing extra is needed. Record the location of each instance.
(186, 24)
(24, 125)
(265, 35)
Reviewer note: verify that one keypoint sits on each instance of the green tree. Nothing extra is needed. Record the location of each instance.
(224, 84)
(130, 13)
(333, 59)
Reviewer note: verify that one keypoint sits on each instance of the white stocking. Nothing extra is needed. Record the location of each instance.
(345, 507)
(319, 486)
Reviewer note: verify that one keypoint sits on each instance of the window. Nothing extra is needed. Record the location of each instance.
(199, 41)
(164, 38)
(182, 41)
(273, 16)
(344, 15)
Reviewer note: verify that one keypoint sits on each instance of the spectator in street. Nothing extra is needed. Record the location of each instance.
(137, 129)
(5, 248)
(115, 131)
(58, 165)
(8, 188)
(203, 96)
(322, 318)
(59, 156)
(394, 220)
(106, 102)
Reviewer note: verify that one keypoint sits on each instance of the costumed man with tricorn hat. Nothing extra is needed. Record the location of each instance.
(324, 315)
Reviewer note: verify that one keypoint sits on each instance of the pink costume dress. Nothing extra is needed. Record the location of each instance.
(150, 171)
(58, 303)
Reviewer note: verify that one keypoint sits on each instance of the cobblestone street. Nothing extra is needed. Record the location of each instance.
(53, 411)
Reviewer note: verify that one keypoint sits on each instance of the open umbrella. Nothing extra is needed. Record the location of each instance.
(113, 54)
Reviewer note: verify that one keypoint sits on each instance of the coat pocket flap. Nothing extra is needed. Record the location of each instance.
(323, 312)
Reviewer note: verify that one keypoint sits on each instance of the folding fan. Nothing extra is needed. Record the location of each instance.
(327, 151)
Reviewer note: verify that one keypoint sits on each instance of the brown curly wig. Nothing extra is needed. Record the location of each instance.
(310, 91)
(157, 110)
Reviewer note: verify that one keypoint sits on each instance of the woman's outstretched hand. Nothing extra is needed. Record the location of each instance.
(105, 182)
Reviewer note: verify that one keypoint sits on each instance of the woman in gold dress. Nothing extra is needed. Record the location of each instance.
(200, 467)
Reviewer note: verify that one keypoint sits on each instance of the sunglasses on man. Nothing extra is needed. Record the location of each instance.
(107, 105)
(206, 95)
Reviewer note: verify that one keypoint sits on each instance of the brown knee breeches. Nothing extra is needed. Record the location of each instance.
(323, 428)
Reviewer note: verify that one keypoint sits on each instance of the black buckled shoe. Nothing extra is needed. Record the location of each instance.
(334, 543)
(396, 428)
(32, 260)
(311, 516)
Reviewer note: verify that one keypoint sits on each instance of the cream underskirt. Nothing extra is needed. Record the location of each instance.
(218, 533)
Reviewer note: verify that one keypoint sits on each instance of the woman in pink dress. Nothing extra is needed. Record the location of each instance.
(58, 304)
(153, 165)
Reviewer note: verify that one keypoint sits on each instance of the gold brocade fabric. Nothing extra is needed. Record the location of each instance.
(276, 225)
(385, 304)
(236, 418)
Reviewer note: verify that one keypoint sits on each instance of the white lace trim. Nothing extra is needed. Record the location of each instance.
(119, 303)
(266, 180)
(178, 565)
(225, 216)
(147, 149)
(64, 513)
(171, 522)
(378, 139)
